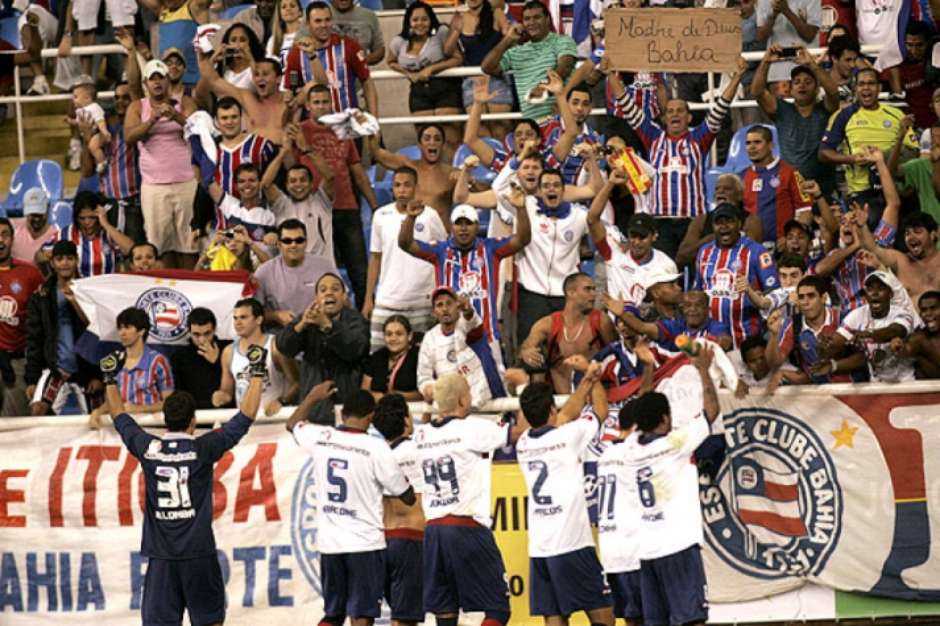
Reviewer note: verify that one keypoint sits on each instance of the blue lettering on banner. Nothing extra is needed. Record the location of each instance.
(50, 574)
(249, 556)
(304, 526)
(276, 574)
(138, 567)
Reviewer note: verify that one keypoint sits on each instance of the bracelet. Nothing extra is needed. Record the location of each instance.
(834, 366)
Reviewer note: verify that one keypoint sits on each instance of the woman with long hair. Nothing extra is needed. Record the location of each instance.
(394, 368)
(288, 19)
(242, 49)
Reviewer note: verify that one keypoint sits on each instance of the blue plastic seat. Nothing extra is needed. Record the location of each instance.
(60, 213)
(10, 32)
(42, 173)
(480, 172)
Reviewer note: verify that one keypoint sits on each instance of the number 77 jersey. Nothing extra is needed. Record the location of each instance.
(456, 457)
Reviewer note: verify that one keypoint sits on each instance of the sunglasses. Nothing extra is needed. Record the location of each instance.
(289, 240)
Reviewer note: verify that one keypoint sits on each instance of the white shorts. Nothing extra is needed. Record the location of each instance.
(120, 13)
(168, 210)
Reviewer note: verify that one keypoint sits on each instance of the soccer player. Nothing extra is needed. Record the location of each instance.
(564, 573)
(618, 523)
(351, 472)
(404, 525)
(672, 577)
(463, 568)
(183, 570)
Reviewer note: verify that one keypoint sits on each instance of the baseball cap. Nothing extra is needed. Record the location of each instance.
(791, 224)
(169, 52)
(35, 202)
(726, 209)
(464, 211)
(660, 276)
(154, 66)
(64, 248)
(642, 224)
(882, 276)
(442, 290)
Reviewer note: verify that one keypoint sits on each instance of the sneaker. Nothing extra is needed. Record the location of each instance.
(40, 87)
(75, 154)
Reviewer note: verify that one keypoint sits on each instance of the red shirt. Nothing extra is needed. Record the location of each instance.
(834, 12)
(17, 284)
(340, 154)
(774, 194)
(918, 93)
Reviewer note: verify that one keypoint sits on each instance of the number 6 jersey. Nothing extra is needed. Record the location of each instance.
(351, 470)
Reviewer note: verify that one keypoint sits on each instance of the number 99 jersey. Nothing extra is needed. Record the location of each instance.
(456, 455)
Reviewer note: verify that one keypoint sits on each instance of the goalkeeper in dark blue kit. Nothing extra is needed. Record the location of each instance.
(183, 570)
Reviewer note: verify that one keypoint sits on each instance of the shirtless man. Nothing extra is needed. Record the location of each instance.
(924, 345)
(578, 329)
(919, 269)
(436, 177)
(264, 107)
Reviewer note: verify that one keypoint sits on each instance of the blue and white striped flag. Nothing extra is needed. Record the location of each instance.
(894, 50)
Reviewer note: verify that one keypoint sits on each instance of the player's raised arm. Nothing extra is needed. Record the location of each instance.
(110, 366)
(318, 392)
(256, 367)
(702, 362)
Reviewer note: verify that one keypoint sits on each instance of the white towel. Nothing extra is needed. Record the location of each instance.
(345, 125)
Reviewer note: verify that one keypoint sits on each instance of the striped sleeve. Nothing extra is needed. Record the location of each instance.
(430, 252)
(717, 114)
(163, 375)
(885, 234)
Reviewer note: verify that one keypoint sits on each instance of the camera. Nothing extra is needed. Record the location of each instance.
(228, 233)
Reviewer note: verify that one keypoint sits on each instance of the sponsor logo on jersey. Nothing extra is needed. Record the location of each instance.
(168, 310)
(774, 509)
(304, 526)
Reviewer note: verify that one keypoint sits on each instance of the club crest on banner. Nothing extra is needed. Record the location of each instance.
(774, 509)
(168, 310)
(304, 526)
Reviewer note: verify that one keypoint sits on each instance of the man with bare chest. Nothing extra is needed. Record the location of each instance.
(578, 329)
(923, 345)
(919, 269)
(436, 176)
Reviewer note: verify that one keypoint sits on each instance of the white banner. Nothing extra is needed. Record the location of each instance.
(167, 301)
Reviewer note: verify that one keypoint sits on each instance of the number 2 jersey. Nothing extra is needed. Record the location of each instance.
(456, 458)
(667, 487)
(178, 476)
(351, 471)
(551, 460)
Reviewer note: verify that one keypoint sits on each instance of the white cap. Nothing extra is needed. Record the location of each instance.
(155, 66)
(660, 277)
(464, 211)
(35, 202)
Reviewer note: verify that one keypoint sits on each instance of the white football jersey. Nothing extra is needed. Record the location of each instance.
(406, 453)
(884, 364)
(456, 459)
(618, 512)
(351, 472)
(552, 462)
(667, 487)
(626, 278)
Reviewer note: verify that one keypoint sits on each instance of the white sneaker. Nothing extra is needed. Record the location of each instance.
(75, 154)
(40, 87)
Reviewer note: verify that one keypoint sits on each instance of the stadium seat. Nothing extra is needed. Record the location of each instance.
(231, 12)
(10, 32)
(481, 172)
(41, 173)
(737, 160)
(60, 213)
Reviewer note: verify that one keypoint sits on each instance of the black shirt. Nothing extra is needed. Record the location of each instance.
(193, 373)
(406, 378)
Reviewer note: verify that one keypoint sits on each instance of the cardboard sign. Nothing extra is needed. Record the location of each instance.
(673, 40)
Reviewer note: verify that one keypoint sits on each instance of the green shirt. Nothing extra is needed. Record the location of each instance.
(918, 176)
(529, 64)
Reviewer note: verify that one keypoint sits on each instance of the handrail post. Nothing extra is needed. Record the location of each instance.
(18, 108)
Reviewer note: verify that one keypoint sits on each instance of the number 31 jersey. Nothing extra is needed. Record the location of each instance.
(351, 469)
(456, 457)
(667, 486)
(551, 460)
(177, 472)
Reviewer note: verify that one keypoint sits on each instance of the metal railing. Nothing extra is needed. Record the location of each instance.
(458, 72)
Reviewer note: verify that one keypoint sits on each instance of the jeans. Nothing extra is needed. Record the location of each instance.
(349, 248)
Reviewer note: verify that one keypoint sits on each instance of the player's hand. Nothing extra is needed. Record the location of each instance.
(220, 398)
(126, 38)
(273, 407)
(775, 321)
(110, 365)
(532, 357)
(577, 362)
(257, 361)
(822, 367)
(593, 371)
(740, 284)
(322, 391)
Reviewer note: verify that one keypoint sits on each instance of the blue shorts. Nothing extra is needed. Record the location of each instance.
(566, 583)
(625, 587)
(673, 588)
(403, 575)
(463, 568)
(353, 583)
(171, 585)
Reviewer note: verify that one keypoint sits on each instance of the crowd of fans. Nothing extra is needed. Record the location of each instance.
(547, 244)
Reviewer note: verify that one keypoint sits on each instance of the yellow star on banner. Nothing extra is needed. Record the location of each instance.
(845, 436)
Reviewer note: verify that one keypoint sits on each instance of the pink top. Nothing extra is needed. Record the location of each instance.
(164, 154)
(25, 247)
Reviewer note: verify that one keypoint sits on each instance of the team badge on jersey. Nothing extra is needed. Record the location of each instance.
(168, 310)
(775, 507)
(304, 526)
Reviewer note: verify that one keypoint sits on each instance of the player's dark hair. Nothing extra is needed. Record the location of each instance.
(626, 418)
(317, 88)
(535, 4)
(789, 259)
(291, 224)
(138, 318)
(570, 280)
(200, 316)
(256, 309)
(816, 282)
(763, 131)
(226, 102)
(754, 341)
(391, 415)
(179, 409)
(839, 45)
(406, 169)
(145, 244)
(649, 410)
(551, 171)
(275, 63)
(358, 404)
(318, 4)
(920, 219)
(536, 403)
